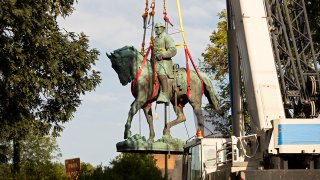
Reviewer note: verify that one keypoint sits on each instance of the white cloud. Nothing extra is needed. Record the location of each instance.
(102, 23)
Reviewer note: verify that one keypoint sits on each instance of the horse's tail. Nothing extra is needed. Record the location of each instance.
(209, 92)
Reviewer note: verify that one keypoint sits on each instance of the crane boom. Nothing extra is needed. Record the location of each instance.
(257, 63)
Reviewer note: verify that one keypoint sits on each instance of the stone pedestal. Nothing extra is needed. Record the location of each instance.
(139, 144)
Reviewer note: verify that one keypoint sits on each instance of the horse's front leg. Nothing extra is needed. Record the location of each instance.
(135, 106)
(148, 113)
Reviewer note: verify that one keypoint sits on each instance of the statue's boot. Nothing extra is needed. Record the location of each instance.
(163, 96)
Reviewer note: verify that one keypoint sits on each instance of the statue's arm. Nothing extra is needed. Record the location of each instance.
(171, 49)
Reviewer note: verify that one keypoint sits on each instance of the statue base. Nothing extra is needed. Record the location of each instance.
(139, 144)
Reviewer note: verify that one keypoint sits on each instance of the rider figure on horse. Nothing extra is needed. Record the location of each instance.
(165, 49)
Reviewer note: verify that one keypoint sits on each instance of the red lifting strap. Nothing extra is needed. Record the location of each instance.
(188, 56)
(140, 70)
(166, 19)
(155, 84)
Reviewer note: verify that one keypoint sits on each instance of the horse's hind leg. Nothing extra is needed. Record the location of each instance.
(180, 118)
(148, 113)
(198, 112)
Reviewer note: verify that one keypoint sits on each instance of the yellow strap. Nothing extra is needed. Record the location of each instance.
(180, 45)
(161, 49)
(181, 23)
(177, 46)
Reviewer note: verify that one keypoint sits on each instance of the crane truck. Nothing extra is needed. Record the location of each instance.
(274, 75)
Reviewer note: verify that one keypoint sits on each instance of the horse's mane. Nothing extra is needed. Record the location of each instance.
(121, 59)
(126, 51)
(124, 59)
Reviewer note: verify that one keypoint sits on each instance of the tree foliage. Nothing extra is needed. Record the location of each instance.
(38, 159)
(134, 166)
(43, 69)
(215, 63)
(124, 167)
(215, 57)
(87, 170)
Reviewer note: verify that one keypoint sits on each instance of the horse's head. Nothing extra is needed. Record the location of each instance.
(122, 61)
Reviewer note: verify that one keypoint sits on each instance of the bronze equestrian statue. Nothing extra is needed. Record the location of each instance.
(126, 62)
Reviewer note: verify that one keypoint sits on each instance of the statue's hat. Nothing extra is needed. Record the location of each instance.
(159, 24)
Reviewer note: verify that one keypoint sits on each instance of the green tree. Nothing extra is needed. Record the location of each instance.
(128, 166)
(86, 171)
(43, 69)
(215, 57)
(125, 166)
(215, 63)
(38, 159)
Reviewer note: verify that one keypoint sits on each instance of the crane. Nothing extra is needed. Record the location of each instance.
(272, 58)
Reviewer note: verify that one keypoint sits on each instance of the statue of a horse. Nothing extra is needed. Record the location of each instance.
(126, 62)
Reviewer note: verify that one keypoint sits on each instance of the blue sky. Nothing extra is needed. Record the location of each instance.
(99, 122)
